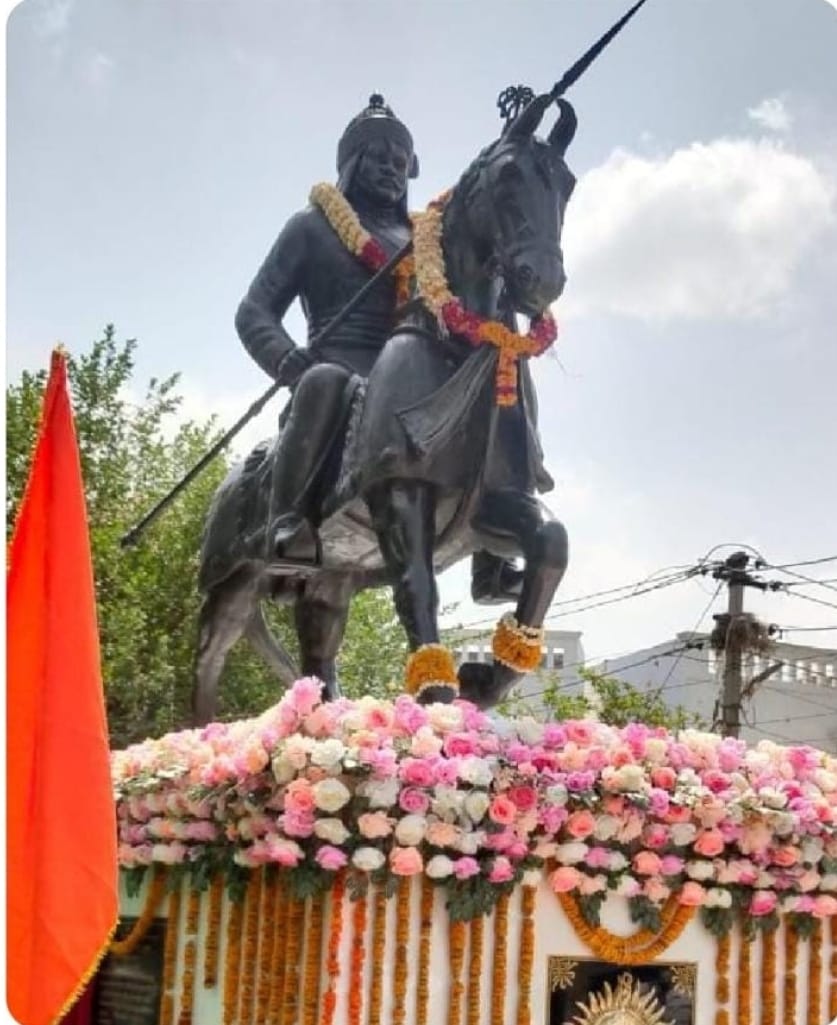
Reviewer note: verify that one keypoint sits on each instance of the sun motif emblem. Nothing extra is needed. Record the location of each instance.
(623, 1005)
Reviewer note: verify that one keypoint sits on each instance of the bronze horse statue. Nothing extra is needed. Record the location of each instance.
(431, 468)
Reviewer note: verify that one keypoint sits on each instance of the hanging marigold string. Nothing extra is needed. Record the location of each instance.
(170, 957)
(640, 948)
(357, 960)
(722, 952)
(190, 953)
(232, 958)
(267, 940)
(335, 933)
(379, 936)
(498, 975)
(815, 976)
(527, 956)
(768, 978)
(153, 898)
(213, 930)
(457, 935)
(745, 981)
(250, 947)
(280, 963)
(313, 962)
(402, 940)
(295, 934)
(474, 1008)
(428, 894)
(832, 996)
(791, 953)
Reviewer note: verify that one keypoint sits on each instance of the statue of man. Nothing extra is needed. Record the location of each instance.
(375, 159)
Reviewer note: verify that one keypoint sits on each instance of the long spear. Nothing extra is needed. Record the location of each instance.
(567, 79)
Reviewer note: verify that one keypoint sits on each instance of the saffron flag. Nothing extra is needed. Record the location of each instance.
(61, 882)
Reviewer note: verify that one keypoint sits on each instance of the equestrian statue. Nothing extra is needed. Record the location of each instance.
(410, 440)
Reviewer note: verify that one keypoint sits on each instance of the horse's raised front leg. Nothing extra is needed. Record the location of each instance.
(404, 516)
(320, 615)
(545, 547)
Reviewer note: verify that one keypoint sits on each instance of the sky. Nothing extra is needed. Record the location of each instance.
(156, 148)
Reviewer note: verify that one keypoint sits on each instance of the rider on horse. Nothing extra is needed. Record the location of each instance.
(375, 158)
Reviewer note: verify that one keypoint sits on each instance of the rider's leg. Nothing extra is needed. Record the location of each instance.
(404, 517)
(320, 616)
(303, 446)
(495, 580)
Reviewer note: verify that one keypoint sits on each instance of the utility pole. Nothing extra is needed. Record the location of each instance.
(734, 573)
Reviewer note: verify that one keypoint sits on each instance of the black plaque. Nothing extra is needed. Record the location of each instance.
(589, 992)
(129, 988)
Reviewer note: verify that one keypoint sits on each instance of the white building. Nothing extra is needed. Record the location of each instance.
(790, 694)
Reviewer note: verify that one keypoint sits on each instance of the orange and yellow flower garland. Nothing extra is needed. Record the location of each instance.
(791, 953)
(379, 936)
(457, 935)
(156, 890)
(279, 964)
(231, 962)
(433, 289)
(768, 978)
(313, 961)
(431, 665)
(516, 645)
(527, 956)
(815, 976)
(213, 929)
(475, 972)
(266, 944)
(402, 940)
(295, 933)
(335, 933)
(498, 975)
(170, 958)
(642, 947)
(358, 957)
(426, 924)
(190, 954)
(250, 947)
(832, 996)
(745, 981)
(722, 952)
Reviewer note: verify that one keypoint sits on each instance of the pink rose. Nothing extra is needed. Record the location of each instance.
(442, 834)
(405, 861)
(579, 732)
(330, 858)
(299, 796)
(763, 902)
(678, 813)
(564, 879)
(710, 843)
(664, 777)
(646, 863)
(692, 895)
(597, 857)
(374, 824)
(581, 824)
(502, 810)
(464, 868)
(525, 798)
(655, 835)
(416, 772)
(305, 695)
(413, 801)
(591, 884)
(459, 745)
(656, 890)
(501, 871)
(671, 865)
(785, 856)
(825, 906)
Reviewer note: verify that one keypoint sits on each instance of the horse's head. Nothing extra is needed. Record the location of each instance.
(511, 202)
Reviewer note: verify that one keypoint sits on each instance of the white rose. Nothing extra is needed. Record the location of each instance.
(530, 731)
(328, 753)
(571, 853)
(476, 805)
(825, 780)
(655, 750)
(617, 862)
(683, 833)
(410, 830)
(532, 877)
(773, 798)
(330, 795)
(784, 824)
(283, 770)
(368, 859)
(331, 830)
(447, 800)
(812, 850)
(718, 898)
(630, 777)
(557, 794)
(476, 771)
(382, 793)
(606, 827)
(829, 882)
(470, 843)
(444, 718)
(700, 870)
(439, 867)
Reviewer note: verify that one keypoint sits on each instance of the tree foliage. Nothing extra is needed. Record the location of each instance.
(133, 449)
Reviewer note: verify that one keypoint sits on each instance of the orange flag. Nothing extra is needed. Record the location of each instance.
(61, 881)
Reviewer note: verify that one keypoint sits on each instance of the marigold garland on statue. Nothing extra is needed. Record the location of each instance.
(425, 925)
(768, 977)
(433, 289)
(791, 953)
(250, 947)
(498, 974)
(402, 948)
(431, 665)
(722, 952)
(293, 950)
(527, 955)
(516, 645)
(279, 965)
(379, 937)
(457, 937)
(267, 940)
(832, 997)
(187, 986)
(170, 957)
(475, 972)
(232, 958)
(213, 930)
(156, 890)
(745, 981)
(358, 958)
(815, 976)
(313, 961)
(335, 934)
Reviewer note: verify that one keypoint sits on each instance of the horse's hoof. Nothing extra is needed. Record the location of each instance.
(331, 691)
(476, 681)
(439, 692)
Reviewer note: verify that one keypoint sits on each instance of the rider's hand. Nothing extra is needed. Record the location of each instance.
(292, 366)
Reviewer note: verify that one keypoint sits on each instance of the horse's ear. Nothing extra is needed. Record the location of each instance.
(564, 128)
(527, 121)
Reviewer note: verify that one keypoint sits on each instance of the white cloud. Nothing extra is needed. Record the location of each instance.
(98, 69)
(711, 230)
(771, 114)
(52, 18)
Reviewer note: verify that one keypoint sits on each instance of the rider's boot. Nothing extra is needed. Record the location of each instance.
(494, 580)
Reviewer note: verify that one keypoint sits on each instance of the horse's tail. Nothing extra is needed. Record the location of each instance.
(259, 634)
